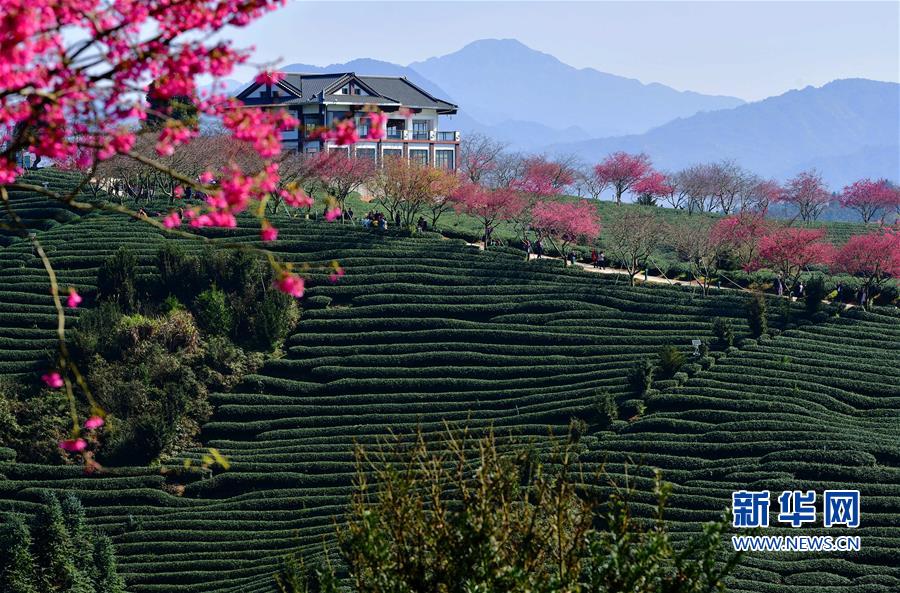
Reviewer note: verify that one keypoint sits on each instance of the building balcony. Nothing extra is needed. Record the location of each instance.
(423, 135)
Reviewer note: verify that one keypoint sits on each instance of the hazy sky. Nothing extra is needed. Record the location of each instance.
(750, 50)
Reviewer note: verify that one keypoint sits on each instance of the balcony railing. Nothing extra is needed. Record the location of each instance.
(405, 135)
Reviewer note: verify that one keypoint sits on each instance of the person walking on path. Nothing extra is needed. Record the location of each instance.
(594, 257)
(572, 257)
(539, 247)
(602, 260)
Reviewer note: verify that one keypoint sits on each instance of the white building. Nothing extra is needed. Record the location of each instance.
(412, 130)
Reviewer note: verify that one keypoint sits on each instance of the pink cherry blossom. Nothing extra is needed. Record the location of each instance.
(267, 77)
(332, 214)
(93, 422)
(296, 198)
(206, 177)
(73, 445)
(343, 133)
(172, 220)
(53, 380)
(337, 274)
(290, 284)
(377, 122)
(268, 233)
(74, 299)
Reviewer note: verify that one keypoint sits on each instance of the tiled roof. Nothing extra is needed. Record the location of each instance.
(388, 90)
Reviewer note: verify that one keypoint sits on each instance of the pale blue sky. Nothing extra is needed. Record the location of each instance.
(746, 49)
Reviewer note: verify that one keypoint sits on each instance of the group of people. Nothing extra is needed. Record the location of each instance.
(375, 220)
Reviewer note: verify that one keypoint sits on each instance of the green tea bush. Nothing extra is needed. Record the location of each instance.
(757, 316)
(117, 280)
(213, 313)
(723, 329)
(670, 360)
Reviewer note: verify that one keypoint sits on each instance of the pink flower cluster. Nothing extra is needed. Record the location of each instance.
(343, 133)
(291, 284)
(69, 71)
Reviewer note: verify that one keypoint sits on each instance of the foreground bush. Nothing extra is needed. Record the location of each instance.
(466, 515)
(58, 552)
(151, 375)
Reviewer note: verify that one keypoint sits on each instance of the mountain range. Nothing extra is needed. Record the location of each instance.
(847, 129)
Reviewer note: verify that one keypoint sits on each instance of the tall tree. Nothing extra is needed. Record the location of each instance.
(405, 188)
(697, 244)
(808, 193)
(650, 188)
(632, 237)
(791, 251)
(544, 177)
(622, 170)
(107, 579)
(874, 256)
(340, 175)
(870, 198)
(54, 551)
(566, 223)
(488, 206)
(17, 569)
(478, 156)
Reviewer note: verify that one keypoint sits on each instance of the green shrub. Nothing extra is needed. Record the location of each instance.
(815, 293)
(273, 321)
(510, 523)
(605, 408)
(670, 360)
(213, 312)
(640, 377)
(117, 280)
(723, 329)
(757, 317)
(58, 552)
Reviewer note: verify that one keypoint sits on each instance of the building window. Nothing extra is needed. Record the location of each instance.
(419, 156)
(421, 129)
(310, 123)
(365, 153)
(335, 116)
(345, 90)
(274, 94)
(312, 149)
(443, 159)
(395, 128)
(343, 149)
(392, 153)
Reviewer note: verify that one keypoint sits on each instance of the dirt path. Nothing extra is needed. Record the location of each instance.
(648, 278)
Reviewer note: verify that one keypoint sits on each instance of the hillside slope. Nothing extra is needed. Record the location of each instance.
(423, 330)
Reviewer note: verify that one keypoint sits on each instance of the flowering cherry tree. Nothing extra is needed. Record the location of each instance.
(622, 170)
(565, 223)
(651, 187)
(875, 256)
(808, 193)
(791, 250)
(339, 174)
(871, 197)
(543, 177)
(488, 206)
(75, 79)
(739, 234)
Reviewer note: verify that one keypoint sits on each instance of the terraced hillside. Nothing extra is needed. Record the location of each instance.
(424, 330)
